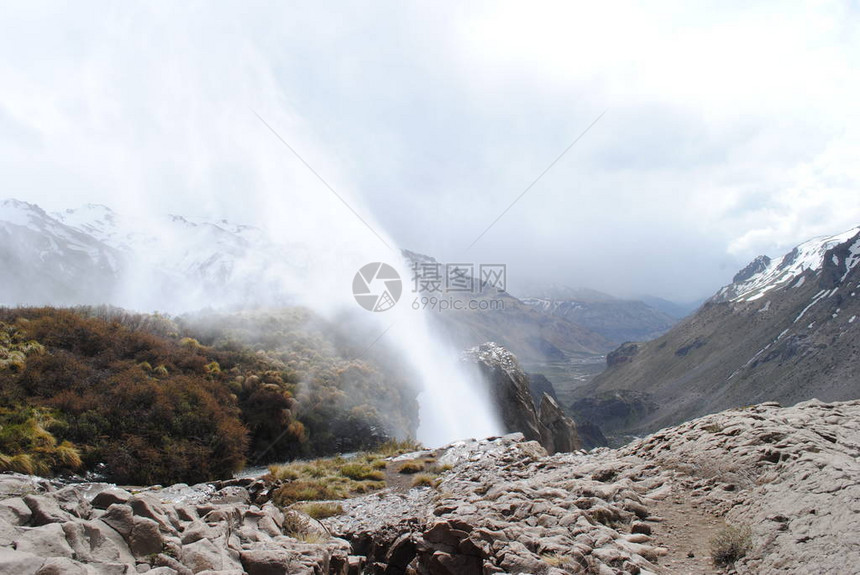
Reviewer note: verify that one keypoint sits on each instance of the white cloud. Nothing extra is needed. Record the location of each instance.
(731, 129)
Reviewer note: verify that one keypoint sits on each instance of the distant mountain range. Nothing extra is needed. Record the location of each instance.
(615, 319)
(93, 255)
(785, 329)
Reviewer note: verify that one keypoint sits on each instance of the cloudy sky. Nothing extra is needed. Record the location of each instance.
(728, 129)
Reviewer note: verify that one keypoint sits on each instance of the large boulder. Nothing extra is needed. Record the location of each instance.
(511, 391)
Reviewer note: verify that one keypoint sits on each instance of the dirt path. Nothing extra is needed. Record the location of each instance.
(685, 529)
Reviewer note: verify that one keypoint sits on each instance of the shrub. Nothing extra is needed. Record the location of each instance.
(27, 446)
(394, 447)
(424, 480)
(162, 400)
(361, 472)
(303, 491)
(412, 466)
(730, 544)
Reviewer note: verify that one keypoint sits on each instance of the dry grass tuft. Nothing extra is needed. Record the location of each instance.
(730, 544)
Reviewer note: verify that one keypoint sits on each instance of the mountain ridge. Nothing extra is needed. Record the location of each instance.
(785, 330)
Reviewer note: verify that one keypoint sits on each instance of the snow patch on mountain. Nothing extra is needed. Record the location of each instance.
(764, 275)
(153, 262)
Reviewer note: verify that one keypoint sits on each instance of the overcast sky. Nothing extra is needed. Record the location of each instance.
(730, 128)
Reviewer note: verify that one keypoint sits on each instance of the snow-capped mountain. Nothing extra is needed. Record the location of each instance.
(786, 329)
(763, 275)
(95, 255)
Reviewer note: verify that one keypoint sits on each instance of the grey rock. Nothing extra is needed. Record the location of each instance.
(120, 517)
(19, 563)
(45, 541)
(96, 542)
(46, 510)
(145, 537)
(63, 566)
(511, 392)
(108, 497)
(15, 511)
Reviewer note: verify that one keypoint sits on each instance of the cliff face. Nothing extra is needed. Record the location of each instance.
(511, 390)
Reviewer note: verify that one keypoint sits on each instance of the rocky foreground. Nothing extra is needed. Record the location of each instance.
(791, 475)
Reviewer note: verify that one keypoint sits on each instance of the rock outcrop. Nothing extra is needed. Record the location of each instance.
(787, 474)
(95, 529)
(511, 390)
(787, 477)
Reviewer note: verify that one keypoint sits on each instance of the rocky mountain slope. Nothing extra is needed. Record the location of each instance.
(617, 320)
(784, 330)
(782, 479)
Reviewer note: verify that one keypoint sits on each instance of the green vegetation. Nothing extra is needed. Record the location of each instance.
(393, 447)
(325, 479)
(425, 480)
(163, 400)
(27, 445)
(730, 544)
(361, 472)
(412, 466)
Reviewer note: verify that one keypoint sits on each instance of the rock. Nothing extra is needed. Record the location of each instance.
(17, 485)
(505, 507)
(162, 560)
(15, 511)
(96, 542)
(120, 517)
(145, 505)
(267, 562)
(402, 552)
(73, 499)
(46, 510)
(441, 563)
(45, 541)
(511, 392)
(145, 537)
(263, 522)
(62, 566)
(558, 431)
(204, 555)
(197, 530)
(231, 494)
(19, 563)
(108, 497)
(640, 527)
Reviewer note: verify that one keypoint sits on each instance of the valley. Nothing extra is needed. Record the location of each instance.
(569, 374)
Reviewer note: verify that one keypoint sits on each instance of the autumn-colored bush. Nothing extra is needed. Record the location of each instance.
(161, 400)
(147, 427)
